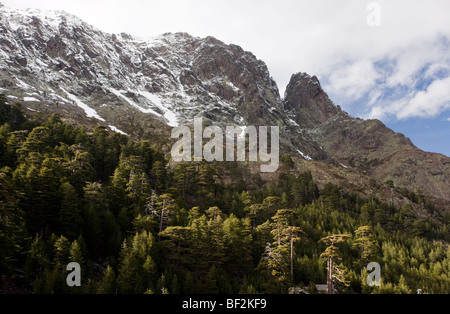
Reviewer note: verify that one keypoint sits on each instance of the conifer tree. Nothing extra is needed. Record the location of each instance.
(107, 284)
(5, 110)
(238, 245)
(165, 207)
(159, 173)
(13, 232)
(331, 254)
(70, 219)
(285, 235)
(137, 269)
(366, 245)
(62, 252)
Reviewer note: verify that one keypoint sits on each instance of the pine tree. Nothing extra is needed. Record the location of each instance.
(185, 178)
(274, 266)
(111, 234)
(14, 240)
(80, 167)
(365, 244)
(162, 285)
(92, 230)
(5, 110)
(76, 254)
(15, 141)
(254, 211)
(62, 252)
(200, 247)
(175, 287)
(331, 254)
(107, 284)
(285, 235)
(238, 245)
(38, 141)
(5, 129)
(215, 236)
(160, 176)
(177, 241)
(12, 115)
(164, 209)
(39, 257)
(70, 220)
(137, 269)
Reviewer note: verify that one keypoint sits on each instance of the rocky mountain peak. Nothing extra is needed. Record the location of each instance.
(304, 81)
(306, 101)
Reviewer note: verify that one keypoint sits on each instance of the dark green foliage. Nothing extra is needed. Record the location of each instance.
(11, 114)
(137, 225)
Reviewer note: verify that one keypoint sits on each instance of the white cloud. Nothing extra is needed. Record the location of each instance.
(353, 80)
(424, 103)
(429, 103)
(410, 59)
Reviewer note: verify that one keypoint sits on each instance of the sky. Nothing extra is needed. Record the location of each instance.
(387, 59)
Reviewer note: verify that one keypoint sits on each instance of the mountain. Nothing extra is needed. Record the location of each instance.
(367, 146)
(53, 62)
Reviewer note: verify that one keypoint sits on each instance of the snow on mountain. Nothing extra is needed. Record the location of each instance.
(53, 51)
(91, 113)
(124, 81)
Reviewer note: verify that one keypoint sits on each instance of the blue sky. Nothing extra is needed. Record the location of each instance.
(398, 71)
(429, 134)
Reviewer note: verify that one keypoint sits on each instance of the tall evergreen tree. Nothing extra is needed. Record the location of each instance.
(366, 244)
(331, 254)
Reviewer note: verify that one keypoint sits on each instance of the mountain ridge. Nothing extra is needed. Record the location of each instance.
(54, 62)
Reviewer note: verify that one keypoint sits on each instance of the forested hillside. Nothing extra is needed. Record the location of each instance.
(137, 224)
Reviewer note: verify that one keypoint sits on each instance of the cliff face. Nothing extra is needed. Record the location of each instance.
(367, 146)
(371, 148)
(307, 103)
(53, 62)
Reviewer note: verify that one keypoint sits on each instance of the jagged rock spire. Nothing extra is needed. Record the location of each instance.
(308, 104)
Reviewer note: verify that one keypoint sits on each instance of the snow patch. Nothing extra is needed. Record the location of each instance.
(53, 95)
(169, 115)
(90, 113)
(23, 85)
(304, 155)
(132, 103)
(112, 127)
(233, 87)
(171, 118)
(28, 99)
(293, 122)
